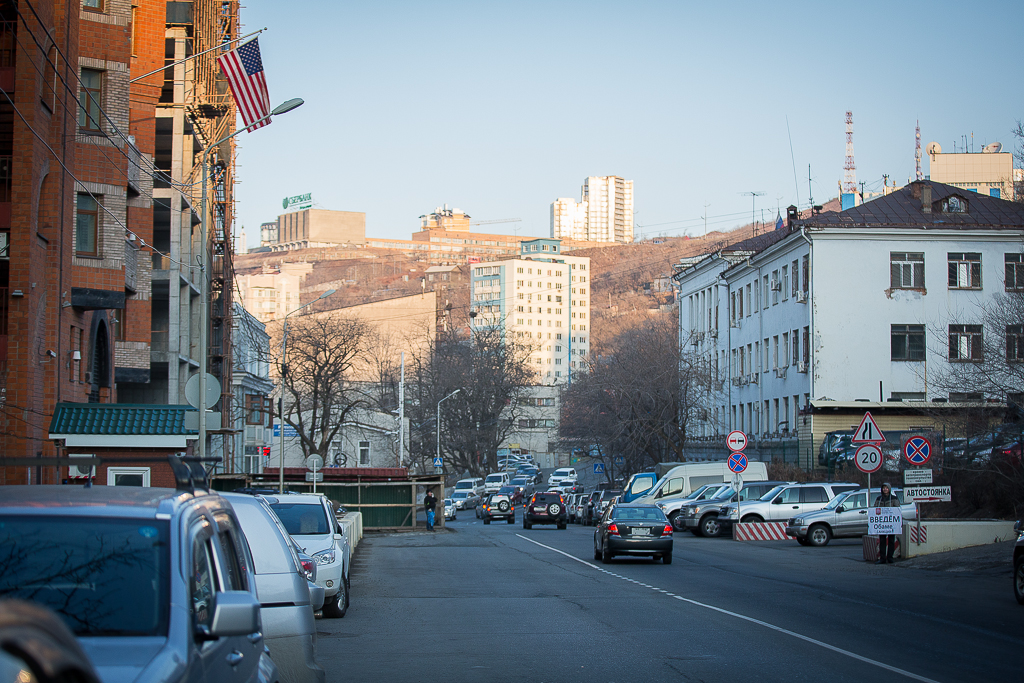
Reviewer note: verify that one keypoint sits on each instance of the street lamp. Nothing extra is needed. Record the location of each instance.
(280, 399)
(439, 419)
(204, 313)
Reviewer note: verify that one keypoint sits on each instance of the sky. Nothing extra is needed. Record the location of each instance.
(498, 108)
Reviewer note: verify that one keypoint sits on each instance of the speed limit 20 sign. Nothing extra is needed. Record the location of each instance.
(868, 458)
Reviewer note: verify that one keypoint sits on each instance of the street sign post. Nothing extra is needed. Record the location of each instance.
(314, 464)
(928, 494)
(736, 441)
(917, 476)
(917, 450)
(737, 485)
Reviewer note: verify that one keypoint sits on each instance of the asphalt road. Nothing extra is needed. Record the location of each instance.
(498, 603)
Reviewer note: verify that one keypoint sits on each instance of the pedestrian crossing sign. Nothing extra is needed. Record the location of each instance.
(438, 462)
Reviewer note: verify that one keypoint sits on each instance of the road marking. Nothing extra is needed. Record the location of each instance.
(752, 620)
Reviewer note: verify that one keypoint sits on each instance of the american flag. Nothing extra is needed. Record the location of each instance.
(243, 68)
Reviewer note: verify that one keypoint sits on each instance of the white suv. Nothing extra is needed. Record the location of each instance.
(562, 474)
(310, 520)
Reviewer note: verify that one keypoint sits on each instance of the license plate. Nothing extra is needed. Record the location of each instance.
(538, 511)
(641, 532)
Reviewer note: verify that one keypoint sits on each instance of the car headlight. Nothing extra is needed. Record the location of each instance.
(325, 557)
(661, 505)
(796, 521)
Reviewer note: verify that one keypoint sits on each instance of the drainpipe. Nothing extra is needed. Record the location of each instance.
(760, 338)
(810, 338)
(728, 352)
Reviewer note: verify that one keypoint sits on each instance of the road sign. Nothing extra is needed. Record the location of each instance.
(736, 441)
(737, 462)
(438, 462)
(314, 476)
(737, 483)
(598, 468)
(928, 494)
(868, 458)
(289, 431)
(868, 431)
(620, 461)
(917, 476)
(212, 391)
(885, 521)
(917, 450)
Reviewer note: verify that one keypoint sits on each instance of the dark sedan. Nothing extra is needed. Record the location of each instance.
(629, 529)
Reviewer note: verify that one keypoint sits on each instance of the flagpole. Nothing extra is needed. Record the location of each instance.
(219, 46)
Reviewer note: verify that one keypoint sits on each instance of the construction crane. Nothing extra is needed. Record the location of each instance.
(500, 220)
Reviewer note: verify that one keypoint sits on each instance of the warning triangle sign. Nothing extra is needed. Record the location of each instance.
(868, 431)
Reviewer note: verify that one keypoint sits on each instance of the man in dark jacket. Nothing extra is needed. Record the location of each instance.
(429, 503)
(886, 542)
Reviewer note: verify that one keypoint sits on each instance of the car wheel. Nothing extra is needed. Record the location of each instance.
(597, 553)
(338, 605)
(512, 520)
(819, 535)
(802, 541)
(672, 517)
(666, 558)
(1018, 579)
(710, 527)
(487, 520)
(606, 555)
(527, 525)
(561, 525)
(753, 519)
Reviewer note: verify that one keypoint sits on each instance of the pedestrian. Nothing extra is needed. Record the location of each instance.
(429, 503)
(886, 542)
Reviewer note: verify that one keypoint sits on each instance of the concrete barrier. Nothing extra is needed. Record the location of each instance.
(352, 526)
(940, 535)
(760, 531)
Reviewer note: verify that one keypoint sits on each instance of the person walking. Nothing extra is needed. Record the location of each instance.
(429, 504)
(886, 542)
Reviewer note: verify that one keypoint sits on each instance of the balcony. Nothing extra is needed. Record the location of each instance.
(158, 343)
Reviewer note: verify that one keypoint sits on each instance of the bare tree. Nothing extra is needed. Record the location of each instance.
(323, 351)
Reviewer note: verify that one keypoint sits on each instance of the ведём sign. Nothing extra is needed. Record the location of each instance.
(885, 521)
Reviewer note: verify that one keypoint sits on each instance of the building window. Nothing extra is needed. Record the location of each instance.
(1014, 272)
(795, 269)
(906, 270)
(1015, 343)
(89, 100)
(253, 409)
(964, 270)
(907, 342)
(95, 5)
(127, 476)
(364, 453)
(954, 204)
(86, 225)
(965, 342)
(785, 283)
(805, 273)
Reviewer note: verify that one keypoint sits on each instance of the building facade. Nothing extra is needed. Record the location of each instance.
(312, 228)
(988, 172)
(604, 213)
(542, 299)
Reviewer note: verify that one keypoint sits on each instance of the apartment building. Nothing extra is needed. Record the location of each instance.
(873, 302)
(542, 298)
(603, 214)
(313, 228)
(987, 172)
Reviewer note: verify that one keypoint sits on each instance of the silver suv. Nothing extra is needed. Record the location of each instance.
(157, 584)
(700, 517)
(310, 520)
(846, 516)
(785, 501)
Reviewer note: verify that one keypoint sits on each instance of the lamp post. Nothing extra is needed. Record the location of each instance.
(204, 312)
(439, 420)
(280, 399)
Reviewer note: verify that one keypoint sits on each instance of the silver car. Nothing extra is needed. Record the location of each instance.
(785, 501)
(282, 587)
(157, 584)
(309, 519)
(846, 516)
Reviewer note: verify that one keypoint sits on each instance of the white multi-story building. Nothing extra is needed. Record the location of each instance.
(604, 214)
(542, 298)
(874, 301)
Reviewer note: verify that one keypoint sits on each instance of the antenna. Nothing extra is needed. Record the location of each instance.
(796, 183)
(810, 192)
(917, 150)
(705, 217)
(850, 177)
(753, 212)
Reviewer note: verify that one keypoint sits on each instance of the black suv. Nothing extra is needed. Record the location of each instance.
(546, 508)
(499, 506)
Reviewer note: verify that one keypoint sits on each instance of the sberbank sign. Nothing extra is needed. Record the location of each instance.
(299, 201)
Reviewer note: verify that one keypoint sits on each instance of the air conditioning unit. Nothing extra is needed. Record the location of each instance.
(801, 297)
(734, 322)
(737, 381)
(754, 377)
(713, 333)
(81, 471)
(776, 286)
(781, 372)
(801, 367)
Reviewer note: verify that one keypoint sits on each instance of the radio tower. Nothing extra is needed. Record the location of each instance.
(850, 178)
(917, 150)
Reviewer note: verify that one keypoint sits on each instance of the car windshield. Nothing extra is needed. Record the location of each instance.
(561, 473)
(464, 485)
(302, 519)
(835, 502)
(495, 477)
(103, 576)
(696, 494)
(649, 514)
(507, 490)
(725, 493)
(771, 494)
(519, 481)
(447, 501)
(460, 494)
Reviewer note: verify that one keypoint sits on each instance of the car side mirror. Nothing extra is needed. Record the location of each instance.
(338, 536)
(841, 508)
(777, 501)
(235, 613)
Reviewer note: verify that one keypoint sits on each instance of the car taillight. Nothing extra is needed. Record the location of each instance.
(307, 567)
(613, 530)
(667, 531)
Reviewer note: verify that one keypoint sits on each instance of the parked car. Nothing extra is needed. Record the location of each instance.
(282, 586)
(545, 508)
(845, 516)
(147, 557)
(561, 474)
(672, 506)
(495, 481)
(316, 593)
(700, 517)
(601, 503)
(310, 521)
(785, 501)
(633, 529)
(36, 646)
(586, 514)
(499, 506)
(449, 508)
(465, 500)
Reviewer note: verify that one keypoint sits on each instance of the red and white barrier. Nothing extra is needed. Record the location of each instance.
(918, 538)
(761, 531)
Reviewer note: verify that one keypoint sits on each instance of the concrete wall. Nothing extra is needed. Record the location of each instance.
(352, 526)
(950, 534)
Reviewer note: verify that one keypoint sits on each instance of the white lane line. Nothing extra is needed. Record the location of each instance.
(752, 620)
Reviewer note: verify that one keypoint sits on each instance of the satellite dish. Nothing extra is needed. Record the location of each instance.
(994, 148)
(933, 148)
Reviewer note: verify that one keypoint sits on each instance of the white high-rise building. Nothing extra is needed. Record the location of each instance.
(542, 298)
(605, 213)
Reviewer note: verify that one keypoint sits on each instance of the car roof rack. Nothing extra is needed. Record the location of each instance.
(189, 473)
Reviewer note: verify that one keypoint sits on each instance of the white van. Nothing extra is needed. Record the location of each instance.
(473, 484)
(495, 481)
(686, 478)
